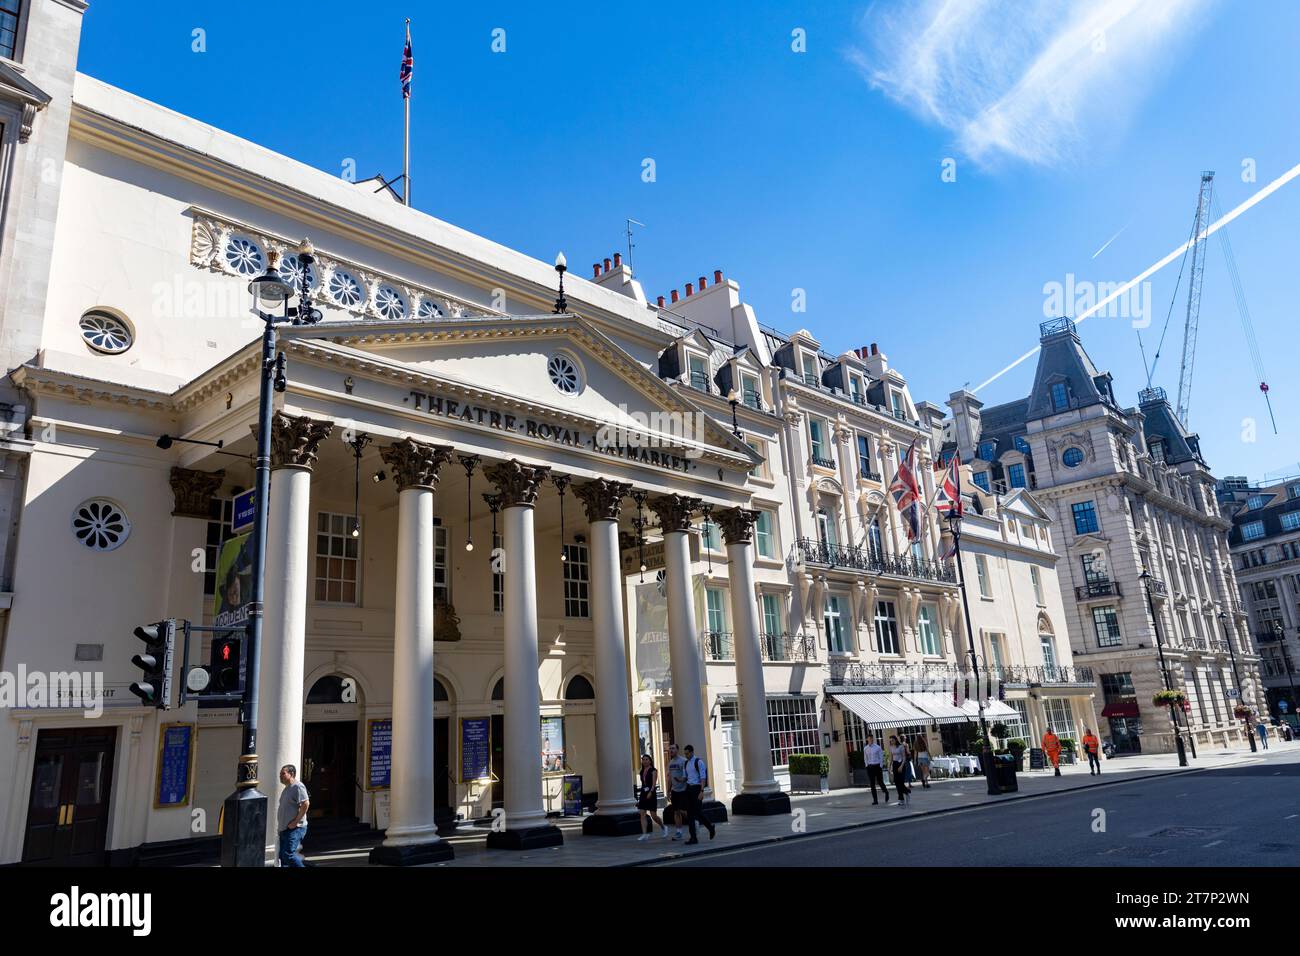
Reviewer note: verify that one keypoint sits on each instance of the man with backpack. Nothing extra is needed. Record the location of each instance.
(697, 778)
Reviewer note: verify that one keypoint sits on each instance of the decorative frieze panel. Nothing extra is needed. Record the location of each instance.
(230, 248)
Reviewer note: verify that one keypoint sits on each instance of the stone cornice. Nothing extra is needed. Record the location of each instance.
(833, 405)
(45, 381)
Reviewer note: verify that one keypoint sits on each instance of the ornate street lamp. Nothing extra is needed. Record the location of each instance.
(561, 303)
(986, 753)
(1236, 677)
(243, 838)
(1145, 578)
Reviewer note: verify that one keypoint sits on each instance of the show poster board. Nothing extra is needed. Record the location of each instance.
(475, 749)
(553, 745)
(379, 753)
(1037, 758)
(175, 781)
(572, 793)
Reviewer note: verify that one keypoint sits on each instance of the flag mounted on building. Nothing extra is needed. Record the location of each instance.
(947, 492)
(408, 65)
(907, 492)
(407, 71)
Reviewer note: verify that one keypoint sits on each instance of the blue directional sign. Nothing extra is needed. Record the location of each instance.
(245, 511)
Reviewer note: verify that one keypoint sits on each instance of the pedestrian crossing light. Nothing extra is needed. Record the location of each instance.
(155, 663)
(225, 663)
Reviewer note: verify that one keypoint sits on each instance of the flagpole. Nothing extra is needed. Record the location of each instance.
(406, 134)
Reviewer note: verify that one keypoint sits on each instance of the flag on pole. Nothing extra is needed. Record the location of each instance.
(907, 492)
(947, 492)
(408, 66)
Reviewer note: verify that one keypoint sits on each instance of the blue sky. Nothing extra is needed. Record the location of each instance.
(1069, 124)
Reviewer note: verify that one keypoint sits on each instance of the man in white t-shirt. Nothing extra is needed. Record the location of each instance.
(291, 816)
(874, 757)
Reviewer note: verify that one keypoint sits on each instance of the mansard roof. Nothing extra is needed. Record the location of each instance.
(1062, 358)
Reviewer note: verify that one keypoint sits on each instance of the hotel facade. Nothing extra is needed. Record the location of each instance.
(513, 541)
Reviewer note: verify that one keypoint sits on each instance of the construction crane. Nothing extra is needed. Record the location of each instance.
(1194, 295)
(1206, 208)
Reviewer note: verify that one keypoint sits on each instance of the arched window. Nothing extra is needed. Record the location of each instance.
(327, 690)
(499, 691)
(579, 689)
(439, 691)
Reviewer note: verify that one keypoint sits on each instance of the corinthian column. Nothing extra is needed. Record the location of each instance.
(760, 794)
(525, 817)
(616, 813)
(689, 723)
(412, 836)
(295, 442)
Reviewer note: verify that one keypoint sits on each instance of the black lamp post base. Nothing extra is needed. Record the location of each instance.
(529, 838)
(1182, 751)
(625, 823)
(412, 854)
(760, 804)
(243, 830)
(714, 811)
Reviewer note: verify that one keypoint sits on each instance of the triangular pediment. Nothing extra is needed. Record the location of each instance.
(1021, 501)
(557, 365)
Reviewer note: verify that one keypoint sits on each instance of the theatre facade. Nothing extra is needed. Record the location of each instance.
(517, 540)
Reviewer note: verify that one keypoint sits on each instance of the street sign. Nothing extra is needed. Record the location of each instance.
(1282, 706)
(244, 512)
(1232, 693)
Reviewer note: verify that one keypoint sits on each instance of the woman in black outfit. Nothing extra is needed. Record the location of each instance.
(647, 802)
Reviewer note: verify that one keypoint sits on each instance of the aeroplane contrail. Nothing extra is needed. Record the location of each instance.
(1210, 230)
(1109, 241)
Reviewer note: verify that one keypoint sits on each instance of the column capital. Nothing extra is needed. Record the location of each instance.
(193, 491)
(295, 440)
(517, 483)
(737, 524)
(602, 498)
(415, 464)
(674, 511)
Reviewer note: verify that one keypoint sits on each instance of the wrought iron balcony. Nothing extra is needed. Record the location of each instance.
(752, 399)
(1046, 674)
(812, 381)
(1269, 636)
(871, 561)
(700, 380)
(718, 646)
(912, 676)
(868, 474)
(1158, 588)
(824, 462)
(1096, 588)
(799, 648)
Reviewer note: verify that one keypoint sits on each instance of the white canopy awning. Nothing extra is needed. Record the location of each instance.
(938, 706)
(993, 710)
(883, 710)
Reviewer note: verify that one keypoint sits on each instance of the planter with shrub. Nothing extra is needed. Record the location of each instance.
(1017, 748)
(809, 772)
(1164, 698)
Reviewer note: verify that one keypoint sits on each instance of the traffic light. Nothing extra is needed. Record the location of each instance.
(155, 689)
(224, 663)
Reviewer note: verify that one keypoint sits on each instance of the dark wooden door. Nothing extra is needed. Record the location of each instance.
(329, 768)
(67, 811)
(441, 763)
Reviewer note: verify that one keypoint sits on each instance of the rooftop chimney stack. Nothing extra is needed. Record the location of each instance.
(717, 277)
(690, 289)
(674, 296)
(618, 260)
(703, 283)
(661, 302)
(606, 269)
(595, 270)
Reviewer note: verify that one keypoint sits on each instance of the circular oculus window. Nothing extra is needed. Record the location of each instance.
(100, 524)
(105, 332)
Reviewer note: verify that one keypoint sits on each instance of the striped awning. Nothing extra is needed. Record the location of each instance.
(938, 706)
(993, 710)
(882, 710)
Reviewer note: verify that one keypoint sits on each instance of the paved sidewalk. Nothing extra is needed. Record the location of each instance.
(815, 813)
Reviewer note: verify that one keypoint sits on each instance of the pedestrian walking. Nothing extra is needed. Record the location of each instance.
(898, 760)
(677, 802)
(1090, 746)
(874, 758)
(697, 778)
(1263, 734)
(647, 800)
(923, 761)
(1052, 747)
(291, 818)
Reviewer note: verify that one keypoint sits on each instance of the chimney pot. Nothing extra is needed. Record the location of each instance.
(618, 259)
(690, 289)
(661, 302)
(874, 350)
(595, 270)
(717, 277)
(606, 269)
(703, 283)
(674, 295)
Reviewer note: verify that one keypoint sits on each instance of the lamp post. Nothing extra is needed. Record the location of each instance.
(734, 398)
(561, 303)
(1145, 578)
(986, 752)
(1286, 658)
(243, 838)
(1236, 677)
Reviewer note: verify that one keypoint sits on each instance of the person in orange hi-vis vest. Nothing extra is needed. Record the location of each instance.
(1092, 747)
(1052, 747)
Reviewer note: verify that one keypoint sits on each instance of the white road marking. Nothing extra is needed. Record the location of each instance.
(1206, 846)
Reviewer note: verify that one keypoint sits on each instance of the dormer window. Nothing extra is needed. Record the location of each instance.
(810, 371)
(981, 478)
(1157, 451)
(1060, 397)
(699, 371)
(896, 402)
(1256, 501)
(855, 388)
(749, 393)
(1022, 446)
(987, 450)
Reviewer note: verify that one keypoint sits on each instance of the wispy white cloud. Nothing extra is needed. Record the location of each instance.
(1033, 81)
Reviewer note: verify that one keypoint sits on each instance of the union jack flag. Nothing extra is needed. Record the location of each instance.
(408, 67)
(947, 495)
(907, 492)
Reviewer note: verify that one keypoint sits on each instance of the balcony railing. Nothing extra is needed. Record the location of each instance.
(860, 559)
(824, 462)
(1157, 586)
(799, 648)
(1045, 674)
(700, 380)
(868, 474)
(812, 381)
(1266, 637)
(1098, 587)
(718, 646)
(752, 400)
